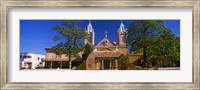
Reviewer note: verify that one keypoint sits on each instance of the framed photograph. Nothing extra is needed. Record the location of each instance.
(119, 44)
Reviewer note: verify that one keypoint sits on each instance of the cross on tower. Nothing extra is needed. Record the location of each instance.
(106, 33)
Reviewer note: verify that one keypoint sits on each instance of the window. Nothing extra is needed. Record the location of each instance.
(28, 56)
(38, 58)
(24, 57)
(123, 38)
(21, 58)
(106, 42)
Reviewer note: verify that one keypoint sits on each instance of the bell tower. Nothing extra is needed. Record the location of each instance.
(90, 37)
(122, 34)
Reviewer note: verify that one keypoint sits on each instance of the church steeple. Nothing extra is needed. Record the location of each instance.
(122, 27)
(89, 27)
(90, 37)
(122, 34)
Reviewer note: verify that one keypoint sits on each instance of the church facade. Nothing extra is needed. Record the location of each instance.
(106, 55)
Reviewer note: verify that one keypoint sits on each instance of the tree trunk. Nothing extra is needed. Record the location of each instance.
(157, 64)
(146, 62)
(144, 57)
(145, 47)
(70, 62)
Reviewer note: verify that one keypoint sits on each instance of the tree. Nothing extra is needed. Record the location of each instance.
(152, 37)
(87, 50)
(168, 48)
(70, 37)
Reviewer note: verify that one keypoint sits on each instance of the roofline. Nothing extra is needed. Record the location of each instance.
(31, 53)
(107, 39)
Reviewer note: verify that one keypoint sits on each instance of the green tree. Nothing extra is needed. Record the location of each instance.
(87, 50)
(153, 38)
(168, 48)
(70, 37)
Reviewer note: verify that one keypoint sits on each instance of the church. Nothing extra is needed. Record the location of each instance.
(106, 55)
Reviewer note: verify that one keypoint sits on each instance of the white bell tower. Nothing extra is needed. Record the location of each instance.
(90, 37)
(122, 34)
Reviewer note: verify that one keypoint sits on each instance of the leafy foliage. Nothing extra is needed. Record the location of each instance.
(154, 39)
(87, 50)
(82, 66)
(70, 37)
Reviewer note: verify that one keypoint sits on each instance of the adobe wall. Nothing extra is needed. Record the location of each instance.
(134, 57)
(123, 49)
(90, 61)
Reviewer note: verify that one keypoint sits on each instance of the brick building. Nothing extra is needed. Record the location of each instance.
(105, 55)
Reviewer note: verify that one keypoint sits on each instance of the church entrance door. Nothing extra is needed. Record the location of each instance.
(106, 64)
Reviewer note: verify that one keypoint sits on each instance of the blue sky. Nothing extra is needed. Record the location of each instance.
(36, 35)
